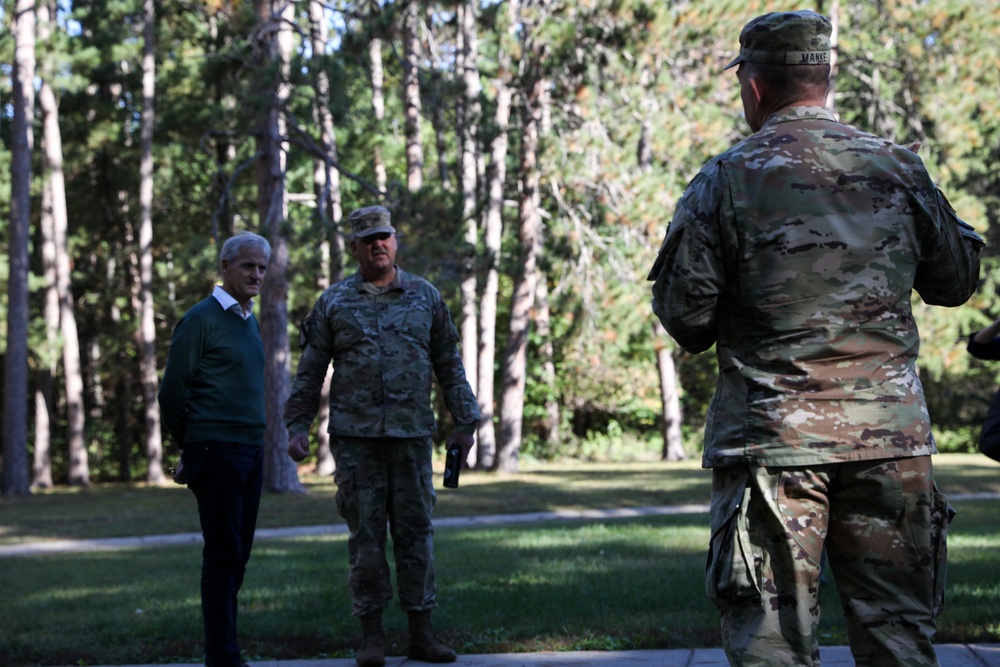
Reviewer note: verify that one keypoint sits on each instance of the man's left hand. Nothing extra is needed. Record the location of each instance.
(463, 440)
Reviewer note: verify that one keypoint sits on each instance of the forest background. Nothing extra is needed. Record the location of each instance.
(531, 152)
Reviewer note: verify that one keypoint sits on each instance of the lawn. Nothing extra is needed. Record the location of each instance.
(582, 584)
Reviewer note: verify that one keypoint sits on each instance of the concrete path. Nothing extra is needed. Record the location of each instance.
(950, 655)
(68, 546)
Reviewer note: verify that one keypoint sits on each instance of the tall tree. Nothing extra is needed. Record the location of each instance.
(273, 49)
(493, 234)
(514, 362)
(468, 124)
(14, 480)
(673, 446)
(79, 469)
(79, 465)
(326, 186)
(411, 95)
(670, 410)
(48, 362)
(550, 426)
(438, 98)
(147, 325)
(377, 75)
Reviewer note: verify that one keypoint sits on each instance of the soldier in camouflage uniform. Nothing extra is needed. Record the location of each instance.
(795, 253)
(387, 332)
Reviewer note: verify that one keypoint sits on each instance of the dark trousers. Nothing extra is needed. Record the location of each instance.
(226, 479)
(989, 438)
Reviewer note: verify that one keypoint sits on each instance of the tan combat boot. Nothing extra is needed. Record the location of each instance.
(423, 644)
(372, 651)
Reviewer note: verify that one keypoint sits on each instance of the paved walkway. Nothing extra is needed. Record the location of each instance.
(950, 655)
(67, 546)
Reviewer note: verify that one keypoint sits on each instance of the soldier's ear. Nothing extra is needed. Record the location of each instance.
(758, 89)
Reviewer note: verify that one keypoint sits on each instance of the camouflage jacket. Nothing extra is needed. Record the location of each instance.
(385, 345)
(796, 253)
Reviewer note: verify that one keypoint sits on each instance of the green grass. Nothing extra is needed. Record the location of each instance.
(615, 584)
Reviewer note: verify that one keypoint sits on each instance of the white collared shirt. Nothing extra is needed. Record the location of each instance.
(227, 301)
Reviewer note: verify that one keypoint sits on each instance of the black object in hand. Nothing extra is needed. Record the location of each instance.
(452, 466)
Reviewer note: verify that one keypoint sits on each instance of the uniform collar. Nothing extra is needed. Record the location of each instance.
(399, 281)
(789, 114)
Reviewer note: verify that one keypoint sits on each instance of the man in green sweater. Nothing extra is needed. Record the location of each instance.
(212, 402)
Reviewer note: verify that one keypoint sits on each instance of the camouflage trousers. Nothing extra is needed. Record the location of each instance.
(884, 526)
(379, 482)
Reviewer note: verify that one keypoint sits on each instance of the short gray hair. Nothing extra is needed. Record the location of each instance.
(234, 245)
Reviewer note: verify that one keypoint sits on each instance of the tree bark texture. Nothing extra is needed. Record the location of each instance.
(274, 45)
(468, 124)
(492, 236)
(543, 326)
(14, 478)
(411, 96)
(514, 362)
(326, 185)
(673, 447)
(79, 470)
(378, 106)
(45, 411)
(147, 324)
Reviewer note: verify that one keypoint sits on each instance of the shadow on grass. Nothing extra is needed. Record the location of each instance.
(595, 585)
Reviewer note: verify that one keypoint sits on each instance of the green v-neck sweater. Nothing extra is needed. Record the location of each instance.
(213, 385)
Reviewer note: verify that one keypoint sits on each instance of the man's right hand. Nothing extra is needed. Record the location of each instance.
(298, 447)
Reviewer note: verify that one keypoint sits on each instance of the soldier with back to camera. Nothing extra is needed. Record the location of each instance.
(795, 253)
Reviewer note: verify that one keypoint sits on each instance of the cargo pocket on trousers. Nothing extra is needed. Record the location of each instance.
(732, 575)
(941, 515)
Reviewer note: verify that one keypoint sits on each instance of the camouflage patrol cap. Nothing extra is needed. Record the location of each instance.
(371, 220)
(785, 38)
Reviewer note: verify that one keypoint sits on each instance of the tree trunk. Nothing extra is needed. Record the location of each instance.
(41, 477)
(274, 44)
(411, 95)
(147, 324)
(493, 233)
(225, 151)
(644, 150)
(14, 479)
(440, 132)
(514, 373)
(550, 426)
(468, 124)
(79, 470)
(673, 447)
(44, 401)
(48, 361)
(550, 430)
(378, 106)
(326, 184)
